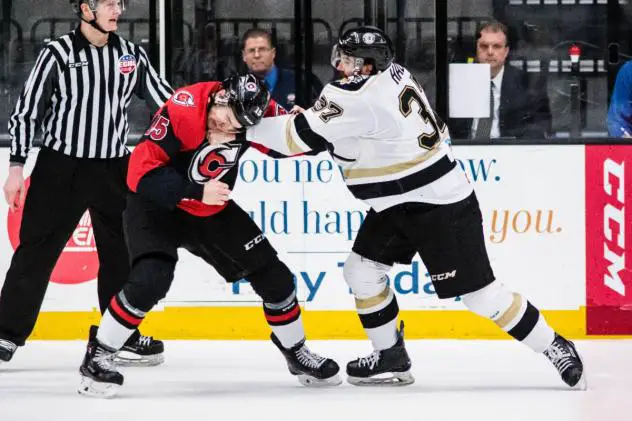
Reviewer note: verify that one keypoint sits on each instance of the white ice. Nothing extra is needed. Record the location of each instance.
(248, 380)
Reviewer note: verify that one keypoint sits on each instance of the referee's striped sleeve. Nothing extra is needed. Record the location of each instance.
(32, 105)
(153, 88)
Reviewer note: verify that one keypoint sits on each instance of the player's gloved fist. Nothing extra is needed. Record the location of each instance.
(215, 193)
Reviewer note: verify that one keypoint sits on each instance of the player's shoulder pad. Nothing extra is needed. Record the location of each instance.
(192, 99)
(352, 83)
(187, 106)
(339, 96)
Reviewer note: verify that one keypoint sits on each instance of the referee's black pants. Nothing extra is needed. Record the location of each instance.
(61, 190)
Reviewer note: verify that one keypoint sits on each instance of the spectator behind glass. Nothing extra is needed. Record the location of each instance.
(259, 55)
(620, 111)
(521, 108)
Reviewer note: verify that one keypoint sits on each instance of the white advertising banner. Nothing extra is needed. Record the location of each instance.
(532, 199)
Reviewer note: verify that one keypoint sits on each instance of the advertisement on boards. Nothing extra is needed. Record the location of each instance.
(532, 201)
(608, 242)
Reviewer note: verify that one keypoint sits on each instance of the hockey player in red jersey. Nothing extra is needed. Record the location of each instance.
(180, 184)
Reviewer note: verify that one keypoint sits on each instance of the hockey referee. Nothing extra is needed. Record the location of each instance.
(78, 93)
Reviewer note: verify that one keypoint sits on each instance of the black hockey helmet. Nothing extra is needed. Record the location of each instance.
(365, 42)
(247, 96)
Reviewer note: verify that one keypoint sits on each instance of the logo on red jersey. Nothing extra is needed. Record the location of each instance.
(183, 98)
(212, 162)
(127, 64)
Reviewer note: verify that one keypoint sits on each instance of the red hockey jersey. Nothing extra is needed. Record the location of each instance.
(173, 160)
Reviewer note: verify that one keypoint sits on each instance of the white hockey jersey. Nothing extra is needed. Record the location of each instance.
(381, 130)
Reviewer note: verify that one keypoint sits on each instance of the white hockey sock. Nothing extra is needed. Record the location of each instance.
(383, 337)
(512, 313)
(111, 333)
(291, 333)
(378, 316)
(541, 337)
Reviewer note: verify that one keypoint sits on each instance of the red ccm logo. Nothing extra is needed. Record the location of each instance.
(614, 225)
(78, 261)
(608, 219)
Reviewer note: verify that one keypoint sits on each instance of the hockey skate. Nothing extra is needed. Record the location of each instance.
(388, 367)
(7, 349)
(99, 377)
(311, 369)
(138, 351)
(564, 356)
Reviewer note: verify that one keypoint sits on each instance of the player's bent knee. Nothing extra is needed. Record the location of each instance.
(273, 282)
(150, 280)
(365, 277)
(490, 301)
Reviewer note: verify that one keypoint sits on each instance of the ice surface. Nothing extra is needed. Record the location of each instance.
(248, 380)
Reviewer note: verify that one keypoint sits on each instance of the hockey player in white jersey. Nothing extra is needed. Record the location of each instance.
(395, 155)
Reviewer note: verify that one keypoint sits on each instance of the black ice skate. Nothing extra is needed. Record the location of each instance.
(311, 369)
(138, 351)
(390, 367)
(7, 349)
(565, 358)
(99, 377)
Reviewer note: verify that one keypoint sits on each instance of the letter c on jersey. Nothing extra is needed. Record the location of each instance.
(211, 162)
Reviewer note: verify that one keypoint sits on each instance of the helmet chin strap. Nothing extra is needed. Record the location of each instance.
(94, 24)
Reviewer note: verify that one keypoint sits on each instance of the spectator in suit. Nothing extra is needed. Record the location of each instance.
(258, 53)
(519, 107)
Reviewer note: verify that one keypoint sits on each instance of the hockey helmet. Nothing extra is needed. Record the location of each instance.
(368, 43)
(247, 96)
(92, 4)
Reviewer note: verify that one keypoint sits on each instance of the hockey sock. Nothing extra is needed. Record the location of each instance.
(285, 320)
(378, 316)
(119, 322)
(523, 321)
(513, 313)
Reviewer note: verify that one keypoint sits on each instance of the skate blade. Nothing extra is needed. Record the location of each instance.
(403, 378)
(582, 384)
(129, 359)
(94, 389)
(310, 381)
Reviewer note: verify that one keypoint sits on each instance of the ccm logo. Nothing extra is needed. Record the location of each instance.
(250, 244)
(614, 215)
(443, 276)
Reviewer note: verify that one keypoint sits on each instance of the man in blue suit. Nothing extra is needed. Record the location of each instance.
(258, 53)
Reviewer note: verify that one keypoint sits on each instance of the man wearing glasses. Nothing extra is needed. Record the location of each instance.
(259, 55)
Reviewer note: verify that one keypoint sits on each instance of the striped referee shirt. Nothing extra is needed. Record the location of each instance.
(78, 94)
